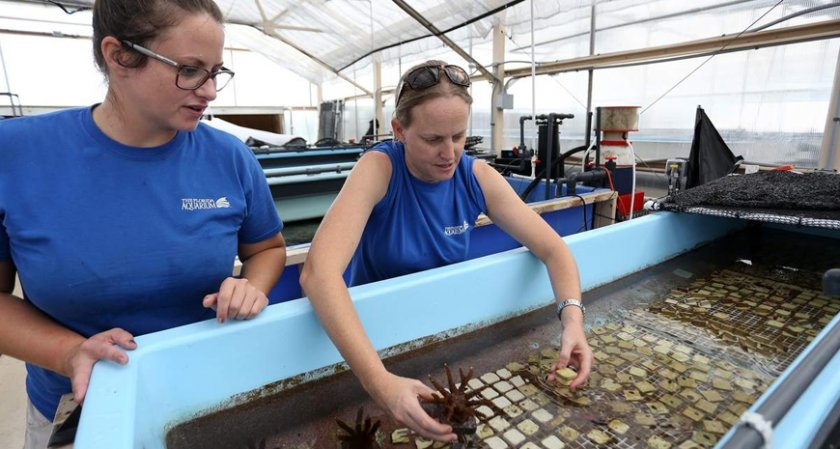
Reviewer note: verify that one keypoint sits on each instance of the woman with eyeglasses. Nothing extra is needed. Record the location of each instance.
(125, 217)
(410, 205)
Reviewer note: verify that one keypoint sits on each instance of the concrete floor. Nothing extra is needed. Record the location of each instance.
(12, 401)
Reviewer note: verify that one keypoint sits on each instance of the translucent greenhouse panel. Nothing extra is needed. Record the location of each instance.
(276, 51)
(357, 116)
(632, 24)
(769, 104)
(562, 93)
(259, 82)
(68, 77)
(303, 124)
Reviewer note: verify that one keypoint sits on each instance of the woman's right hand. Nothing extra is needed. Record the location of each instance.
(399, 396)
(102, 346)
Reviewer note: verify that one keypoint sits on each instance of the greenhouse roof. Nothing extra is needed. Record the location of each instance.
(324, 39)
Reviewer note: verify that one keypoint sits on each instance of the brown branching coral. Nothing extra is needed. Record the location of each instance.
(456, 405)
(361, 436)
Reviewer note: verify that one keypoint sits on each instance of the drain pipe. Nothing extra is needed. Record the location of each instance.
(554, 121)
(549, 146)
(594, 175)
(522, 120)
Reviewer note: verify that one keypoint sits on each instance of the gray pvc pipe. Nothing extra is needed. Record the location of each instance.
(777, 405)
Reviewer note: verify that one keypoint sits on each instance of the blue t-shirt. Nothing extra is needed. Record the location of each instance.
(105, 235)
(417, 225)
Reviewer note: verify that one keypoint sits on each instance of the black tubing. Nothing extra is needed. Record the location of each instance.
(312, 171)
(584, 176)
(551, 130)
(549, 146)
(559, 161)
(522, 120)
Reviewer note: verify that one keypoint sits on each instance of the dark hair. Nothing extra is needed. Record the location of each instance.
(410, 98)
(141, 21)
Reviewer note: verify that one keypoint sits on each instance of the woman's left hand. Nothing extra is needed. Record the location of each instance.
(574, 353)
(236, 299)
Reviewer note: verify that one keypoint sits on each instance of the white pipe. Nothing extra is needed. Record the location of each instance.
(534, 97)
(830, 149)
(6, 75)
(585, 155)
(355, 114)
(399, 49)
(632, 191)
(632, 183)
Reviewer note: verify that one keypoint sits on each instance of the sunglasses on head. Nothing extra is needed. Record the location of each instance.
(428, 76)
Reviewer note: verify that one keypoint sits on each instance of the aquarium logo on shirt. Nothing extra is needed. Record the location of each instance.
(456, 230)
(204, 203)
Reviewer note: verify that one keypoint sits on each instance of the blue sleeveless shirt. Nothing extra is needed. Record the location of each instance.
(417, 225)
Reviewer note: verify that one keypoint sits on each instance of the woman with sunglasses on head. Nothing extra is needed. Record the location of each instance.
(410, 205)
(126, 217)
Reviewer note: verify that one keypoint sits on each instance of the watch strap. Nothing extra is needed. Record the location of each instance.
(570, 302)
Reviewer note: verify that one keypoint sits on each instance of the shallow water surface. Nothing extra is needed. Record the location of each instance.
(681, 350)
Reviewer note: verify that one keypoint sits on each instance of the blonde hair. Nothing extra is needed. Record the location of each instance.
(408, 98)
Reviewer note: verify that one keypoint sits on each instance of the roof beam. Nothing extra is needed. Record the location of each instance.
(282, 39)
(433, 29)
(634, 22)
(827, 29)
(270, 29)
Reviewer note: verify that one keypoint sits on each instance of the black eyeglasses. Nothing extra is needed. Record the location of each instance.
(427, 76)
(189, 77)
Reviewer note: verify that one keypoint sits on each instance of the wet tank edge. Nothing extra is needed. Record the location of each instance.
(593, 307)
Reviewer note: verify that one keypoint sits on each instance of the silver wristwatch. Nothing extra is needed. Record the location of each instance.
(570, 302)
